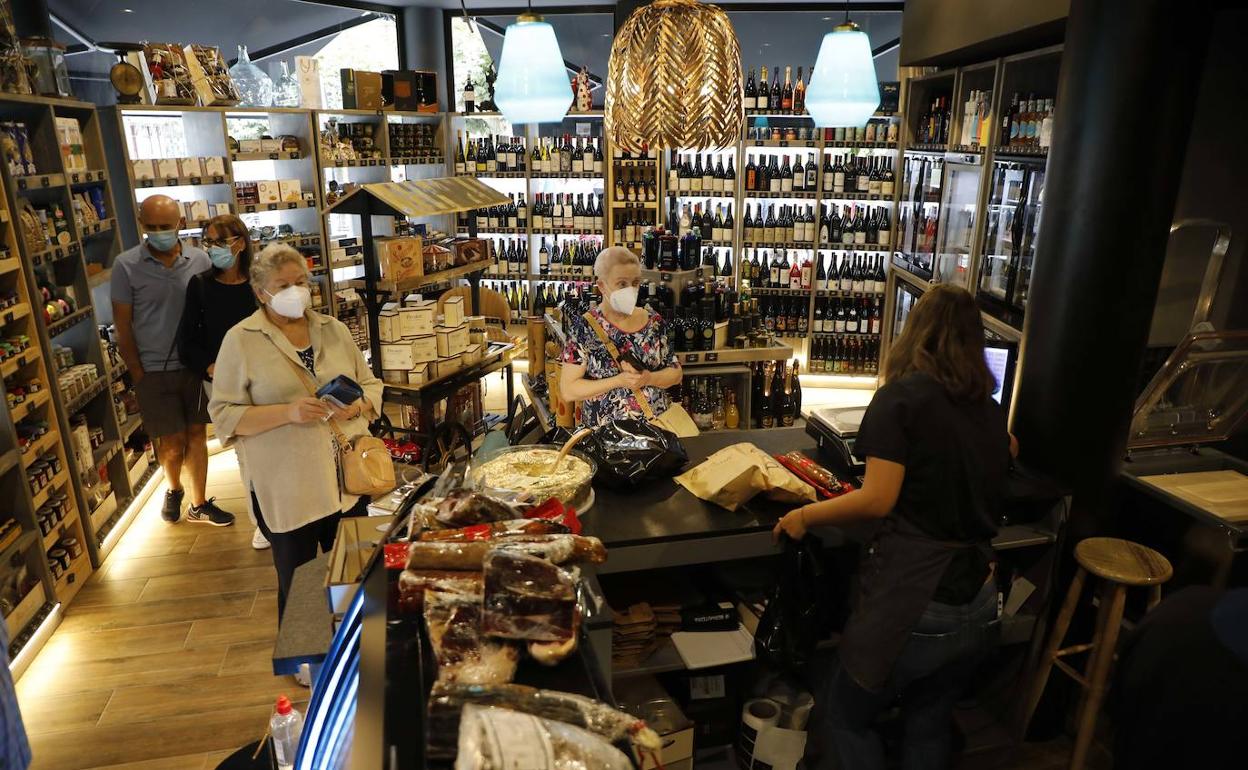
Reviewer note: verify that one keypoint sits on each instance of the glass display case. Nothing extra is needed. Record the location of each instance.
(918, 212)
(1009, 247)
(905, 295)
(959, 215)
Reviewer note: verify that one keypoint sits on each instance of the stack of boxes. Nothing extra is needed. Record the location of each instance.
(345, 252)
(266, 191)
(258, 146)
(414, 349)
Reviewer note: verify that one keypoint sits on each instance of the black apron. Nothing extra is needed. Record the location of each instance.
(898, 576)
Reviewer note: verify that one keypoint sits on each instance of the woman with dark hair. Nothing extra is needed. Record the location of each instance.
(216, 299)
(937, 452)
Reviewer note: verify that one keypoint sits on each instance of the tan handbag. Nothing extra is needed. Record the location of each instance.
(364, 463)
(675, 419)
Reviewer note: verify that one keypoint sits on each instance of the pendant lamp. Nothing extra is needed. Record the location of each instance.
(843, 90)
(674, 80)
(533, 84)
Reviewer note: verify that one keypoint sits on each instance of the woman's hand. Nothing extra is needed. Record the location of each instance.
(350, 412)
(792, 524)
(628, 378)
(212, 369)
(307, 409)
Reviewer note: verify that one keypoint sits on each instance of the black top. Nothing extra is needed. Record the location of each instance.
(308, 357)
(956, 456)
(212, 308)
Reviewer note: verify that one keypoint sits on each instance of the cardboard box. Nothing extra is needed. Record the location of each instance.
(190, 167)
(143, 169)
(290, 190)
(353, 547)
(199, 211)
(452, 340)
(220, 208)
(645, 698)
(214, 166)
(453, 311)
(167, 168)
(411, 300)
(394, 376)
(476, 323)
(269, 191)
(418, 375)
(403, 89)
(250, 145)
(389, 328)
(408, 353)
(469, 250)
(472, 354)
(270, 145)
(445, 367)
(417, 320)
(400, 258)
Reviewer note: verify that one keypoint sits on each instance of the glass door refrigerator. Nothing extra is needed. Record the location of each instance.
(919, 212)
(959, 215)
(903, 300)
(1009, 248)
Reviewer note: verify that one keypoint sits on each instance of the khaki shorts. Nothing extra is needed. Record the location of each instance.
(170, 402)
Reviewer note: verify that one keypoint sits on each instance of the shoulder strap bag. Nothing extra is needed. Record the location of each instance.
(675, 419)
(364, 463)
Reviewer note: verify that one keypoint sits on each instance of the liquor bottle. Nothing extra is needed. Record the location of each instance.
(780, 406)
(470, 96)
(750, 102)
(786, 94)
(732, 417)
(461, 161)
(777, 93)
(795, 274)
(767, 417)
(708, 176)
(799, 95)
(763, 101)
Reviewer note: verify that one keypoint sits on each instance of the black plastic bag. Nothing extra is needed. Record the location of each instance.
(630, 452)
(798, 608)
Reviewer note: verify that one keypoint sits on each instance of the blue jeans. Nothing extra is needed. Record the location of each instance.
(935, 665)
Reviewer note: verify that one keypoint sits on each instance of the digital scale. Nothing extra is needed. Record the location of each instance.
(835, 429)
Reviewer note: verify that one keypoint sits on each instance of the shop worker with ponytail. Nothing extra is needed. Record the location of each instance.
(263, 403)
(148, 293)
(216, 299)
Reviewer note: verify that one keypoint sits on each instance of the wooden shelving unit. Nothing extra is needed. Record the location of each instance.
(77, 268)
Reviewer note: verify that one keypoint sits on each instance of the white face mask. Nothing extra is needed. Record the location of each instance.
(290, 302)
(624, 300)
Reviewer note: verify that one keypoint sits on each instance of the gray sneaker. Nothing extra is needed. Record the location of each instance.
(171, 511)
(209, 513)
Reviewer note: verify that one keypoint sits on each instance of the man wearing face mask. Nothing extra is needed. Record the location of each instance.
(148, 293)
(646, 366)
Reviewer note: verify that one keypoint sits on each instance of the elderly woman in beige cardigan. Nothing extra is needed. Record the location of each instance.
(263, 404)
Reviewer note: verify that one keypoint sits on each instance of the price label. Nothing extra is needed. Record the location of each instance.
(8, 318)
(712, 358)
(691, 358)
(275, 155)
(73, 178)
(171, 181)
(196, 180)
(665, 277)
(292, 205)
(21, 184)
(45, 181)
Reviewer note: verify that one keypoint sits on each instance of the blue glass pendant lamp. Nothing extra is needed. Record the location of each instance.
(843, 90)
(533, 84)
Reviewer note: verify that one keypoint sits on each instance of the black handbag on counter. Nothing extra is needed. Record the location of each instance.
(630, 452)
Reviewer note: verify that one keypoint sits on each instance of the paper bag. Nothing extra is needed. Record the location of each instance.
(736, 473)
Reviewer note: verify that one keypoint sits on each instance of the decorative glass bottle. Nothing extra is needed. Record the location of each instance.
(287, 90)
(254, 86)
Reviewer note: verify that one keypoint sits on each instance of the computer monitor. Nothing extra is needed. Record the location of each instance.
(1002, 357)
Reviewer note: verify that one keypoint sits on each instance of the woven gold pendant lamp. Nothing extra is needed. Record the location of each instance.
(674, 80)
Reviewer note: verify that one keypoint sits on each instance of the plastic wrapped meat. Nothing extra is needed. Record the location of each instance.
(493, 738)
(463, 507)
(446, 701)
(413, 584)
(498, 529)
(554, 653)
(527, 597)
(469, 555)
(463, 653)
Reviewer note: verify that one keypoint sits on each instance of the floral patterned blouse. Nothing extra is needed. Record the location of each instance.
(649, 344)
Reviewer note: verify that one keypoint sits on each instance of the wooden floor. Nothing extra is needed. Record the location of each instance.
(164, 659)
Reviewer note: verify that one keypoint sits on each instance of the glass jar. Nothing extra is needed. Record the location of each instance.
(255, 88)
(51, 74)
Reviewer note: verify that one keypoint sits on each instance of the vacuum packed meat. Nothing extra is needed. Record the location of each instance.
(462, 507)
(498, 529)
(469, 555)
(553, 653)
(413, 584)
(463, 653)
(493, 738)
(447, 701)
(527, 597)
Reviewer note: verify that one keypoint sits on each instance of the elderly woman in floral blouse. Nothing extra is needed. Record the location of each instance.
(602, 379)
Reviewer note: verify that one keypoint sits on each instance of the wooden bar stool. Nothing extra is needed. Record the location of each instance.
(1121, 564)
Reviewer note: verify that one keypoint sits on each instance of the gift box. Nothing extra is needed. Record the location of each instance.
(400, 258)
(452, 340)
(170, 74)
(143, 169)
(268, 191)
(214, 166)
(188, 167)
(167, 168)
(290, 190)
(453, 311)
(418, 319)
(210, 77)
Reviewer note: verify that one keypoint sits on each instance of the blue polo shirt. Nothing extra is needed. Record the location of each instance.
(157, 294)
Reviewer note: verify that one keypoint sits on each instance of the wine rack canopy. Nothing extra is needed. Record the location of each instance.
(422, 197)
